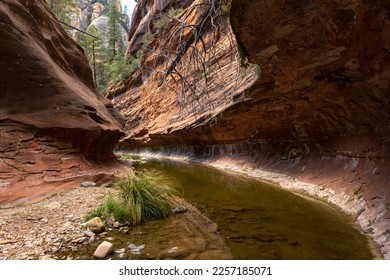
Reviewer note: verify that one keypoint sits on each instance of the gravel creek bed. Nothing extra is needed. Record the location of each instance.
(53, 229)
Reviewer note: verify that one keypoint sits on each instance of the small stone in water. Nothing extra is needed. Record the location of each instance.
(136, 249)
(120, 251)
(122, 256)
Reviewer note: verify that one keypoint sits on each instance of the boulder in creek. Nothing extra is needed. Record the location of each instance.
(95, 225)
(103, 250)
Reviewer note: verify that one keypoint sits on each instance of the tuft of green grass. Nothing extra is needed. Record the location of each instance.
(387, 205)
(142, 197)
(113, 207)
(97, 212)
(357, 193)
(357, 190)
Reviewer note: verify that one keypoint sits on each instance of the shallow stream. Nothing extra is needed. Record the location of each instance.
(257, 220)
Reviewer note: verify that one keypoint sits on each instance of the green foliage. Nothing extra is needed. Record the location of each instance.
(224, 8)
(149, 37)
(114, 34)
(126, 157)
(118, 68)
(357, 193)
(387, 205)
(241, 56)
(96, 54)
(134, 62)
(86, 42)
(63, 10)
(142, 197)
(115, 208)
(97, 212)
(356, 190)
(161, 22)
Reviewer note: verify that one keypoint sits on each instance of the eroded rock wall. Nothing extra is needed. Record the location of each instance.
(327, 103)
(55, 129)
(164, 107)
(318, 112)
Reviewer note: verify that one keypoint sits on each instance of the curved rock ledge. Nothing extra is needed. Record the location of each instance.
(54, 127)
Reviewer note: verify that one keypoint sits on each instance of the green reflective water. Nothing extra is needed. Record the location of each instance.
(260, 221)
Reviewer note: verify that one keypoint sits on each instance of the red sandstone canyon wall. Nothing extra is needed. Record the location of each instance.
(55, 130)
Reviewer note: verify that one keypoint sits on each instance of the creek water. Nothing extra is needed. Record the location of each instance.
(257, 220)
(262, 221)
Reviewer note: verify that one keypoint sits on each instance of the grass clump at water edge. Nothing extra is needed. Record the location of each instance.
(141, 197)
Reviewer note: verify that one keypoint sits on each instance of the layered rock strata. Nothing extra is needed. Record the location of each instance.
(171, 98)
(325, 112)
(318, 112)
(55, 129)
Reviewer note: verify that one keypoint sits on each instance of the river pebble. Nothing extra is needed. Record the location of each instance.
(136, 250)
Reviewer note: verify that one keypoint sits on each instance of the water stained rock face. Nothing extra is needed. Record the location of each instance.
(54, 127)
(319, 110)
(326, 106)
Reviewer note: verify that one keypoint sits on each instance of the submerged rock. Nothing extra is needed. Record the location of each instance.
(214, 255)
(103, 250)
(120, 251)
(136, 249)
(234, 208)
(174, 253)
